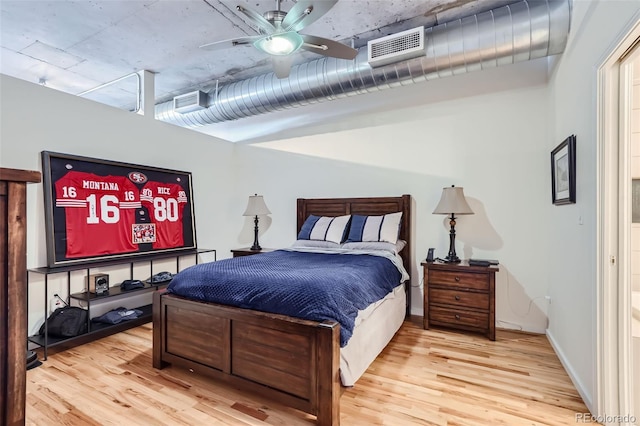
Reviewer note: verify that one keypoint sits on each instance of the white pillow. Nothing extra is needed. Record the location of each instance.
(375, 245)
(375, 228)
(314, 244)
(324, 228)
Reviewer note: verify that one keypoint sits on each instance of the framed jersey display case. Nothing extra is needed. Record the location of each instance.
(97, 210)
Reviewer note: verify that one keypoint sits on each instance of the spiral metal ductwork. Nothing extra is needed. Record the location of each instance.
(515, 33)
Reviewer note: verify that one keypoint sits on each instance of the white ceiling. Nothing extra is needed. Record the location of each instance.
(74, 46)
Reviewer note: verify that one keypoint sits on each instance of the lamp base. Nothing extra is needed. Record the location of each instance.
(256, 244)
(452, 257)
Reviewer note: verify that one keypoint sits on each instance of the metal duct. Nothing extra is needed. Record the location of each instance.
(506, 35)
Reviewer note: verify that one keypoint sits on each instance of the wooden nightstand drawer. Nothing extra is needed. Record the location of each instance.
(439, 296)
(457, 279)
(458, 318)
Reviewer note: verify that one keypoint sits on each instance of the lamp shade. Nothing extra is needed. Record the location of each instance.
(452, 201)
(256, 206)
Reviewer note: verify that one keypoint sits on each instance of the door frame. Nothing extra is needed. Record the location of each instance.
(613, 331)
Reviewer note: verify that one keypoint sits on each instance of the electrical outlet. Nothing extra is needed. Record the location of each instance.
(55, 303)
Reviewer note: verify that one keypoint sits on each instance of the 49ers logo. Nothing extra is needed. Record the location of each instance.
(137, 177)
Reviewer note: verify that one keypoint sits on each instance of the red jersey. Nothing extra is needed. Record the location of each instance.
(100, 212)
(165, 202)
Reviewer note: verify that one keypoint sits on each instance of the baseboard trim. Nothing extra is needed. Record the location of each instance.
(586, 397)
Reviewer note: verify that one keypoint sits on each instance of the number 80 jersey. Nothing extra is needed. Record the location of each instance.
(165, 202)
(100, 212)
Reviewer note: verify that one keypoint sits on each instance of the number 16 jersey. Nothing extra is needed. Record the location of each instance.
(100, 212)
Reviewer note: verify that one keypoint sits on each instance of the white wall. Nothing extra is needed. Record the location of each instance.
(571, 254)
(493, 145)
(35, 118)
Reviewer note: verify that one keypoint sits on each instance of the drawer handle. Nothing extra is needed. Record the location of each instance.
(457, 297)
(457, 316)
(457, 279)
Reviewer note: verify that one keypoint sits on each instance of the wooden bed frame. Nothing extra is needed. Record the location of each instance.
(293, 361)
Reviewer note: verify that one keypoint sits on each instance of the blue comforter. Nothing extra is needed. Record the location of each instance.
(313, 286)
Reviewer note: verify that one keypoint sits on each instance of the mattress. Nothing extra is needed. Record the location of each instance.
(375, 326)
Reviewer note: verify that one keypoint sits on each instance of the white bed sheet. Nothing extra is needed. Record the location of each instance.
(374, 328)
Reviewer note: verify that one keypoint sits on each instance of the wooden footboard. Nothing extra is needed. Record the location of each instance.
(295, 362)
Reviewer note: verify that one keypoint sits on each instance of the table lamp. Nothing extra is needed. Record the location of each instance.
(256, 207)
(452, 203)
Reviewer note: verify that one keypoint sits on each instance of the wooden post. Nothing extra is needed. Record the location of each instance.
(158, 318)
(13, 293)
(328, 403)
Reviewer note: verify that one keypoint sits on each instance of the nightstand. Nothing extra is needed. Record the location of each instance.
(246, 251)
(460, 296)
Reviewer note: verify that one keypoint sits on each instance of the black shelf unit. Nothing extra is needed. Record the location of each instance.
(99, 330)
(115, 292)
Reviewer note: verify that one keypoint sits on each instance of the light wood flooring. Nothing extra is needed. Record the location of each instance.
(423, 377)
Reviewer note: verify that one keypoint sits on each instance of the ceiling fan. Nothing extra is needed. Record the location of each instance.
(279, 34)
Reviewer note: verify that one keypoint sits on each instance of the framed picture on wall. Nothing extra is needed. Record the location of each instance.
(563, 172)
(97, 210)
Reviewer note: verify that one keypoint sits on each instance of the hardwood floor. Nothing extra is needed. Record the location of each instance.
(423, 377)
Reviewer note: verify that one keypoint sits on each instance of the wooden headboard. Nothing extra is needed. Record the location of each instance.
(364, 206)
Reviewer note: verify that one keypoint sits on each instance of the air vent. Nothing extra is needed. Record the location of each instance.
(189, 102)
(396, 47)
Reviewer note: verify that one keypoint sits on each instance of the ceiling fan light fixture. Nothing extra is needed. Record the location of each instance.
(280, 44)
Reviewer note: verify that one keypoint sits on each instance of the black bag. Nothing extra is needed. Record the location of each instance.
(68, 321)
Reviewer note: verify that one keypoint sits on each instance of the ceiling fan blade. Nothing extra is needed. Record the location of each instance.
(305, 12)
(232, 42)
(327, 47)
(282, 65)
(266, 26)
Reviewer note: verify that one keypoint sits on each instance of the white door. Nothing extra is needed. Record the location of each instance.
(614, 358)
